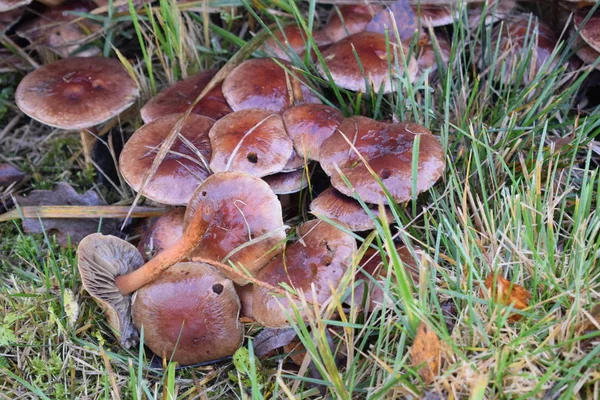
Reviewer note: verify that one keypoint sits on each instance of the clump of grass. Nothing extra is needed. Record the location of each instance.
(518, 198)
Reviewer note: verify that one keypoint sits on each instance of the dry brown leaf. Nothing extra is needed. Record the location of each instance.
(270, 339)
(425, 353)
(76, 229)
(507, 293)
(9, 175)
(588, 325)
(295, 351)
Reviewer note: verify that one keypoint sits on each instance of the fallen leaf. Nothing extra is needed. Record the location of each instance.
(590, 325)
(507, 293)
(425, 353)
(9, 175)
(295, 351)
(76, 229)
(269, 340)
(399, 15)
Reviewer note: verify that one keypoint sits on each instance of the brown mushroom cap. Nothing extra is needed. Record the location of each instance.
(163, 233)
(371, 49)
(320, 257)
(347, 211)
(308, 125)
(354, 19)
(287, 182)
(294, 163)
(429, 51)
(7, 5)
(261, 83)
(590, 32)
(182, 170)
(245, 293)
(178, 98)
(76, 93)
(100, 259)
(374, 267)
(291, 37)
(238, 208)
(190, 313)
(252, 141)
(62, 31)
(430, 15)
(585, 52)
(496, 10)
(513, 35)
(387, 148)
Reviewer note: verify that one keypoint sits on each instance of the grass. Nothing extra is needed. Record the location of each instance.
(518, 198)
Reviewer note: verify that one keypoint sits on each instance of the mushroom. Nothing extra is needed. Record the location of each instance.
(590, 32)
(100, 259)
(373, 273)
(428, 52)
(349, 19)
(585, 52)
(62, 31)
(163, 233)
(495, 10)
(346, 211)
(245, 293)
(289, 39)
(189, 314)
(77, 93)
(388, 151)
(252, 141)
(308, 125)
(434, 15)
(242, 219)
(314, 264)
(178, 98)
(287, 182)
(183, 169)
(263, 83)
(371, 49)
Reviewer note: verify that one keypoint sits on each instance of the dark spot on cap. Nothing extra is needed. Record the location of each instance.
(385, 173)
(217, 288)
(252, 157)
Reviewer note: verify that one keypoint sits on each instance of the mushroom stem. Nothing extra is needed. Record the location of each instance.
(148, 272)
(87, 144)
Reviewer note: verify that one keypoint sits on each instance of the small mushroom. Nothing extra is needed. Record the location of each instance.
(373, 270)
(287, 182)
(178, 98)
(308, 125)
(77, 93)
(349, 19)
(371, 48)
(189, 314)
(314, 264)
(590, 32)
(252, 141)
(346, 211)
(243, 222)
(262, 83)
(100, 259)
(585, 52)
(388, 150)
(428, 52)
(163, 233)
(183, 169)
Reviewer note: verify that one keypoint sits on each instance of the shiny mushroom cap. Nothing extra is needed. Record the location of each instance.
(244, 221)
(495, 10)
(184, 167)
(585, 52)
(163, 233)
(317, 260)
(261, 83)
(190, 313)
(349, 19)
(100, 259)
(76, 93)
(178, 98)
(590, 32)
(388, 149)
(292, 38)
(373, 269)
(308, 125)
(346, 211)
(371, 49)
(434, 15)
(253, 141)
(429, 50)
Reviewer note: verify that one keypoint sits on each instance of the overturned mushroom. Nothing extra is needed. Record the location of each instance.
(361, 61)
(178, 98)
(252, 141)
(314, 264)
(346, 211)
(182, 170)
(100, 260)
(242, 219)
(189, 314)
(262, 83)
(388, 151)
